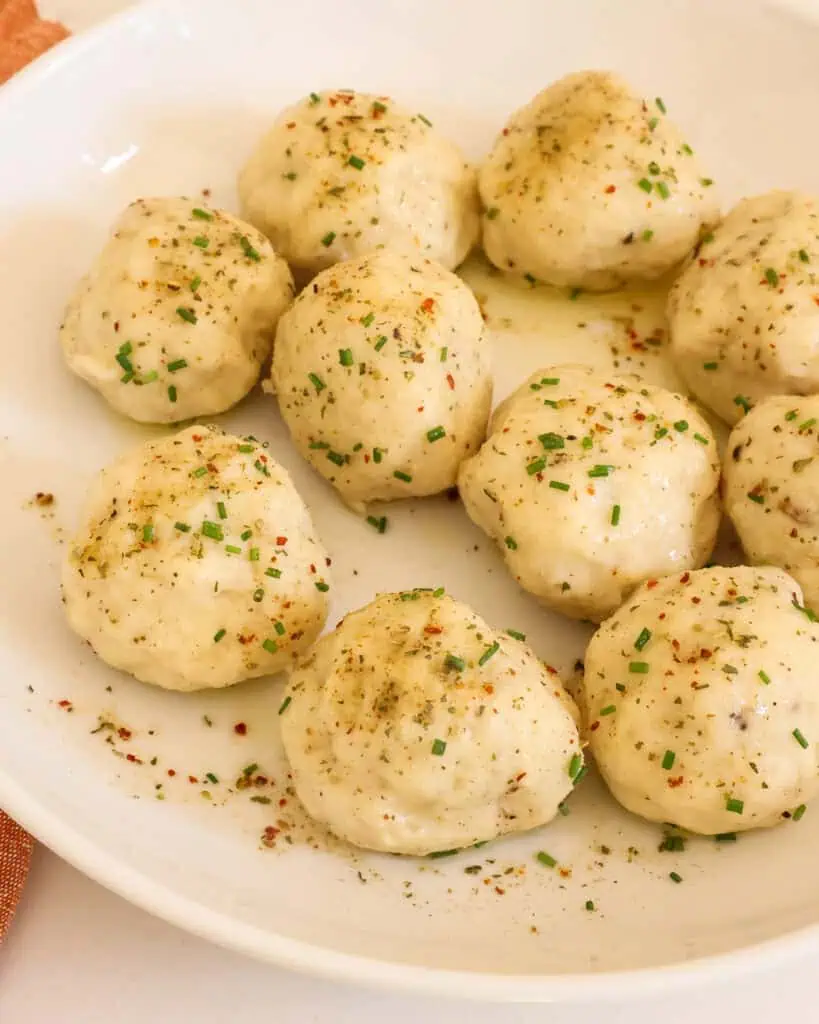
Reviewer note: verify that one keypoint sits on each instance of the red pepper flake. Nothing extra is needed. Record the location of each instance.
(499, 891)
(246, 638)
(420, 408)
(505, 131)
(269, 835)
(594, 726)
(171, 772)
(661, 615)
(675, 643)
(240, 729)
(116, 326)
(192, 779)
(197, 437)
(675, 782)
(283, 802)
(64, 704)
(686, 576)
(705, 653)
(610, 188)
(433, 630)
(281, 541)
(488, 688)
(133, 759)
(292, 124)
(816, 299)
(696, 600)
(428, 305)
(639, 416)
(124, 734)
(451, 381)
(521, 776)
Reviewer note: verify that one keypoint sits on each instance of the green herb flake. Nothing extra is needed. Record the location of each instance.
(285, 704)
(710, 366)
(274, 573)
(615, 515)
(639, 668)
(270, 646)
(516, 635)
(663, 190)
(345, 356)
(642, 639)
(803, 256)
(645, 185)
(598, 471)
(399, 474)
(436, 434)
(675, 877)
(772, 277)
(551, 442)
(317, 382)
(201, 241)
(797, 814)
(490, 652)
(378, 523)
(763, 675)
(357, 162)
(172, 395)
(800, 739)
(186, 314)
(322, 586)
(455, 662)
(609, 709)
(668, 760)
(546, 859)
(148, 533)
(535, 467)
(217, 636)
(660, 105)
(733, 805)
(438, 747)
(328, 239)
(558, 485)
(212, 530)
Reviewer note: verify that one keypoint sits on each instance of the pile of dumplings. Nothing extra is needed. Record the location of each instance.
(414, 726)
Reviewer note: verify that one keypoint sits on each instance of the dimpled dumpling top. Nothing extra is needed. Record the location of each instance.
(177, 314)
(414, 727)
(702, 702)
(343, 173)
(771, 487)
(744, 314)
(591, 485)
(382, 372)
(591, 186)
(197, 564)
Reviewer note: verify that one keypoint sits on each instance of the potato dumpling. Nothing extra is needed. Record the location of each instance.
(771, 487)
(591, 186)
(414, 727)
(744, 313)
(591, 485)
(178, 312)
(382, 372)
(701, 700)
(196, 564)
(343, 173)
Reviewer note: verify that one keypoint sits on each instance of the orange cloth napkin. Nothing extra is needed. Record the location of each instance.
(23, 36)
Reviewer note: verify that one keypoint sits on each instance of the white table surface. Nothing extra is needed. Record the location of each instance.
(79, 955)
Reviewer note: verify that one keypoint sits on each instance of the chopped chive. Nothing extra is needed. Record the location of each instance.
(492, 213)
(639, 668)
(763, 675)
(201, 214)
(653, 167)
(645, 185)
(258, 594)
(575, 764)
(126, 378)
(706, 182)
(511, 543)
(378, 455)
(733, 805)
(597, 471)
(212, 530)
(186, 314)
(217, 636)
(772, 277)
(490, 652)
(248, 250)
(126, 348)
(200, 471)
(587, 443)
(357, 162)
(379, 107)
(336, 458)
(516, 635)
(797, 814)
(444, 354)
(673, 844)
(652, 123)
(381, 342)
(675, 877)
(436, 434)
(642, 639)
(808, 424)
(195, 282)
(426, 120)
(615, 515)
(536, 467)
(246, 534)
(575, 294)
(551, 442)
(285, 704)
(317, 382)
(648, 234)
(609, 709)
(319, 446)
(681, 426)
(345, 356)
(232, 549)
(660, 432)
(439, 592)
(123, 360)
(552, 404)
(438, 747)
(558, 485)
(726, 837)
(148, 533)
(201, 241)
(378, 522)
(280, 628)
(580, 775)
(620, 687)
(221, 509)
(660, 105)
(246, 449)
(545, 858)
(701, 439)
(275, 573)
(758, 498)
(453, 661)
(368, 319)
(803, 255)
(182, 527)
(270, 646)
(253, 554)
(328, 239)
(148, 378)
(800, 739)
(687, 149)
(668, 760)
(314, 99)
(663, 190)
(322, 586)
(743, 402)
(172, 393)
(399, 474)
(589, 904)
(211, 778)
(710, 366)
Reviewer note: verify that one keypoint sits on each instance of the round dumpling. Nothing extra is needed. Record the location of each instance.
(343, 173)
(592, 485)
(744, 314)
(197, 564)
(771, 487)
(178, 313)
(382, 372)
(591, 186)
(414, 727)
(701, 700)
